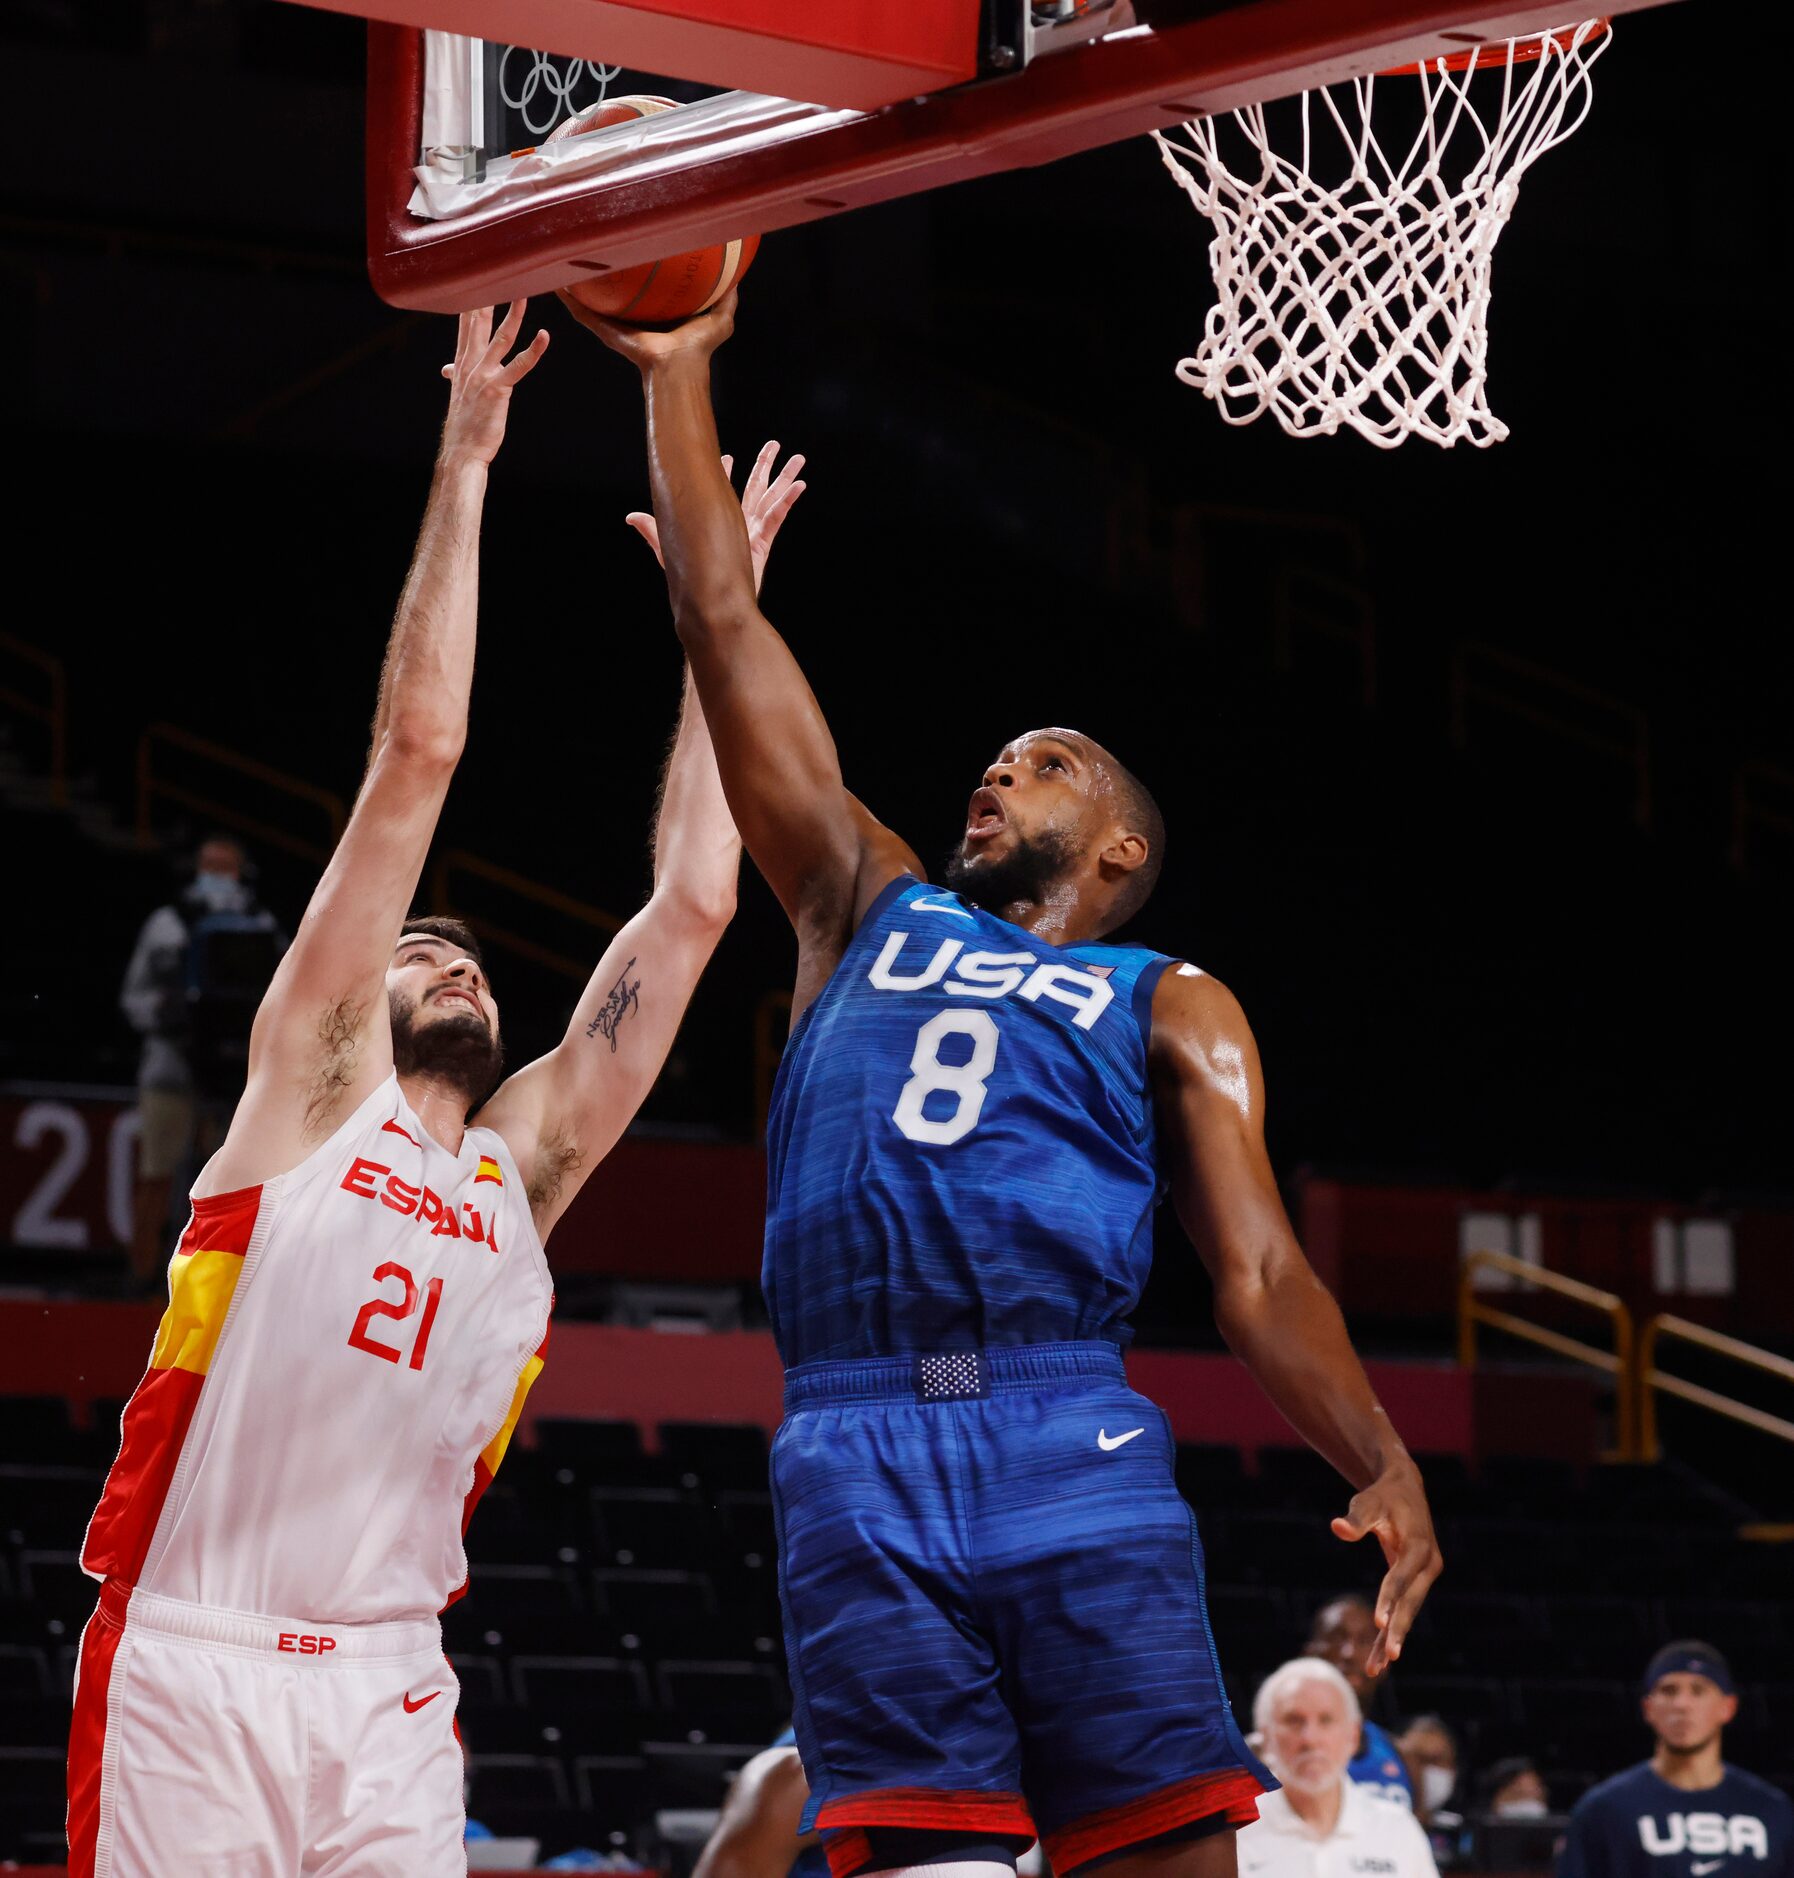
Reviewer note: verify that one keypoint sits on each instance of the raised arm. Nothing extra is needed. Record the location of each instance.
(1277, 1316)
(822, 854)
(561, 1114)
(322, 1038)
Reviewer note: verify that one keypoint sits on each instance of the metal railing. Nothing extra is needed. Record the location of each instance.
(52, 713)
(1652, 1381)
(455, 861)
(154, 785)
(1617, 1363)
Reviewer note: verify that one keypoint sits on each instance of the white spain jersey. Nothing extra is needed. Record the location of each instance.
(345, 1354)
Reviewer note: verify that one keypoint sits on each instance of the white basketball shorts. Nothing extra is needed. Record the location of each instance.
(223, 1744)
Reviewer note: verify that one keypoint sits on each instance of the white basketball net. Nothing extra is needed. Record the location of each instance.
(1365, 302)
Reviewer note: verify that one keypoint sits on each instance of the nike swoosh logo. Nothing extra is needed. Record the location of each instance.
(928, 904)
(422, 1701)
(1705, 1866)
(1109, 1446)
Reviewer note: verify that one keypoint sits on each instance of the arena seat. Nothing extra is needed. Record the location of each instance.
(36, 1431)
(33, 1774)
(557, 1684)
(34, 1719)
(1463, 1700)
(1209, 1475)
(654, 1526)
(1569, 1703)
(519, 1781)
(716, 1455)
(1479, 1633)
(481, 1678)
(48, 1506)
(55, 1586)
(747, 1518)
(1251, 1623)
(652, 1599)
(612, 1787)
(1300, 1477)
(1592, 1635)
(683, 1773)
(593, 1451)
(752, 1690)
(523, 1593)
(24, 1674)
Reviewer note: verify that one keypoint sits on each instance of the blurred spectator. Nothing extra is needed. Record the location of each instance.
(1341, 1634)
(1429, 1750)
(1322, 1825)
(1512, 1826)
(196, 975)
(1513, 1789)
(1683, 1813)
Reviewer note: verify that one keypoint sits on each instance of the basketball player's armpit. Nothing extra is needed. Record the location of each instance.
(339, 1034)
(557, 1156)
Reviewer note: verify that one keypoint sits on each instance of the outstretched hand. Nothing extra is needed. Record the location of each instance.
(481, 382)
(765, 503)
(1394, 1507)
(648, 346)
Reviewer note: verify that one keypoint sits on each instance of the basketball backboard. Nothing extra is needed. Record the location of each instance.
(466, 208)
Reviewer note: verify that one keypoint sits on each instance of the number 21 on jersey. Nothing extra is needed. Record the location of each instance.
(361, 1337)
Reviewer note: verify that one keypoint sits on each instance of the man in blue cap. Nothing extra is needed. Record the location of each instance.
(1683, 1813)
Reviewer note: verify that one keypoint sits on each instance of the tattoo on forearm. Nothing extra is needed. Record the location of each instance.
(619, 1001)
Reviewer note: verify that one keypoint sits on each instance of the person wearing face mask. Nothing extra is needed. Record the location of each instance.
(1320, 1824)
(1430, 1751)
(1514, 1828)
(1514, 1789)
(1684, 1813)
(197, 972)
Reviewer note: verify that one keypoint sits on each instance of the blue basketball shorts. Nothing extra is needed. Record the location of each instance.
(994, 1612)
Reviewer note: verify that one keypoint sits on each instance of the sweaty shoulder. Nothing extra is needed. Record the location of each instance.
(1191, 1006)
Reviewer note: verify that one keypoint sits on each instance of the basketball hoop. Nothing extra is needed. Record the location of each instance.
(1364, 302)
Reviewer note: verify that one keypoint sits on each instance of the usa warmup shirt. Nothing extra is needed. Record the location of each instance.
(1637, 1825)
(1373, 1838)
(1379, 1766)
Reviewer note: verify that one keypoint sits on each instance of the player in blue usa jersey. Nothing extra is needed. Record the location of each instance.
(1684, 1813)
(993, 1594)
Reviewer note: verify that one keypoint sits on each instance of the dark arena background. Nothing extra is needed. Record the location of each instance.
(1478, 772)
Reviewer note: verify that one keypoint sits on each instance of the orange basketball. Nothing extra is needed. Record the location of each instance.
(657, 293)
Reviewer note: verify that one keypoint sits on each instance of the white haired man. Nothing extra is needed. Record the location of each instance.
(1320, 1824)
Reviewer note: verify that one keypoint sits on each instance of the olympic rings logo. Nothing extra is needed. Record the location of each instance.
(547, 88)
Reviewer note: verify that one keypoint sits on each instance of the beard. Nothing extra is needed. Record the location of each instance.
(1033, 864)
(1311, 1774)
(458, 1050)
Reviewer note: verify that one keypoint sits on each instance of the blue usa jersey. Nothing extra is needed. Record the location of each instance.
(1637, 1825)
(961, 1140)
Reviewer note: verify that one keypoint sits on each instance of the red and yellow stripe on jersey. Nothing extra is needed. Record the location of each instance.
(202, 1279)
(493, 1453)
(489, 1169)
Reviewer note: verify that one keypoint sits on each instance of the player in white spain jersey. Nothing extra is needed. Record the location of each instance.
(360, 1301)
